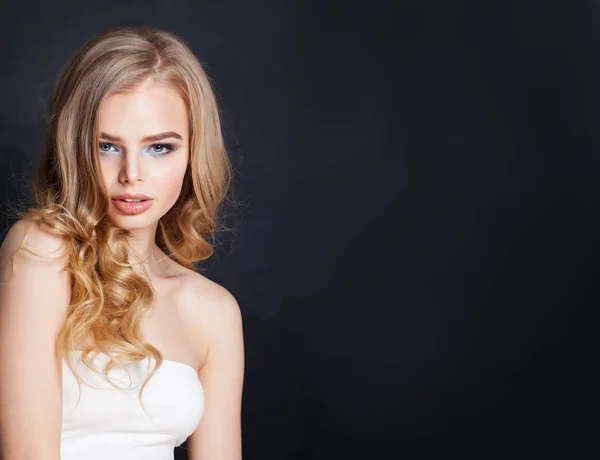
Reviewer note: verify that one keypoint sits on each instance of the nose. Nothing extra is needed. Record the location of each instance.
(131, 169)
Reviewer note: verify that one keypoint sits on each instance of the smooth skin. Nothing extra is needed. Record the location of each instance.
(34, 295)
(30, 370)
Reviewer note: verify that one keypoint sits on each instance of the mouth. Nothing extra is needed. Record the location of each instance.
(131, 206)
(132, 197)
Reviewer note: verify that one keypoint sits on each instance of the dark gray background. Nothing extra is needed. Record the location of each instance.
(419, 241)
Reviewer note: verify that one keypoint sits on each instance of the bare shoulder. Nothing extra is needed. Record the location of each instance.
(208, 298)
(34, 299)
(209, 307)
(28, 234)
(26, 240)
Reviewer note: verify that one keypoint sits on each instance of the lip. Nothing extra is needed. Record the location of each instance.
(131, 196)
(131, 208)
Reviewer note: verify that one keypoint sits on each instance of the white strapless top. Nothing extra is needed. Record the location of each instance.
(110, 424)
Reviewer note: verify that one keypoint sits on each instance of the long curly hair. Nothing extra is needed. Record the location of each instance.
(108, 300)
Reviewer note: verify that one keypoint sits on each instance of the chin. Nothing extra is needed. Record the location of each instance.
(135, 222)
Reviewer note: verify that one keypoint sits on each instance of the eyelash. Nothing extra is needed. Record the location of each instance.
(169, 148)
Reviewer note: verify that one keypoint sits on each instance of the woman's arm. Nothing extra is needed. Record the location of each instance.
(219, 437)
(34, 295)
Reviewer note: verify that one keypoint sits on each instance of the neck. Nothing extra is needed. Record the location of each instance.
(146, 258)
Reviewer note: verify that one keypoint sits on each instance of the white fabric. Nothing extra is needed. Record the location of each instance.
(110, 424)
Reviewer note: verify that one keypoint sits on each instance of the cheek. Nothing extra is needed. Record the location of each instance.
(172, 180)
(107, 174)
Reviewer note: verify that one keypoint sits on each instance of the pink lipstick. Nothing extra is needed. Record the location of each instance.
(132, 203)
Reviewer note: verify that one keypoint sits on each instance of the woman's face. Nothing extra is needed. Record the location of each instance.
(132, 164)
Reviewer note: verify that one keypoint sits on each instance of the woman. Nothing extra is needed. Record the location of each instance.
(111, 345)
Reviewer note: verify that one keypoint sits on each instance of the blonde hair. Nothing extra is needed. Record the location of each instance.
(108, 300)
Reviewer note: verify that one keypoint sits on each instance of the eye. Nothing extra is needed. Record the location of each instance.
(164, 149)
(155, 149)
(104, 144)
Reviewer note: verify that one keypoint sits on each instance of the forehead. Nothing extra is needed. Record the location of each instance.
(147, 110)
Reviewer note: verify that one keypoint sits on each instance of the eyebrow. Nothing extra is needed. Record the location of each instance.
(151, 138)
